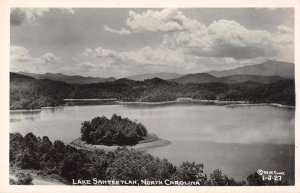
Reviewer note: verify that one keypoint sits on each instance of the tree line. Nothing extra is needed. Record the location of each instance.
(30, 93)
(66, 163)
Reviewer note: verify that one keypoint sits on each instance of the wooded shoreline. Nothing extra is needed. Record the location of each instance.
(152, 141)
(212, 102)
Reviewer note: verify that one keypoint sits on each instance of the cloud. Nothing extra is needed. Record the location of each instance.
(186, 45)
(284, 29)
(164, 20)
(50, 59)
(19, 15)
(145, 59)
(157, 59)
(222, 38)
(142, 56)
(16, 17)
(191, 46)
(157, 56)
(21, 60)
(120, 32)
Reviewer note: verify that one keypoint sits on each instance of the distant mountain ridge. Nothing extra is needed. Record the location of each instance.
(265, 73)
(207, 78)
(250, 78)
(268, 68)
(161, 75)
(196, 78)
(75, 79)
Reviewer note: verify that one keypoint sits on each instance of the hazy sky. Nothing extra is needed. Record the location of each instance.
(123, 42)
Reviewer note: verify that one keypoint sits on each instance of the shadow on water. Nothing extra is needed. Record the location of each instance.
(84, 103)
(159, 105)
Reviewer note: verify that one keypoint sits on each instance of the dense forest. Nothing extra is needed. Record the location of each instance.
(63, 162)
(30, 93)
(115, 131)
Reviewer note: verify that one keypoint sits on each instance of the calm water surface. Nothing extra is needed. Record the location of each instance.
(238, 140)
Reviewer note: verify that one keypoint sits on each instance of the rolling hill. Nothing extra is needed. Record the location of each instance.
(250, 78)
(76, 79)
(30, 93)
(268, 68)
(196, 78)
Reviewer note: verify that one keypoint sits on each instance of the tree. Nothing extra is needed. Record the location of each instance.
(190, 171)
(255, 180)
(71, 167)
(217, 178)
(24, 179)
(115, 131)
(122, 164)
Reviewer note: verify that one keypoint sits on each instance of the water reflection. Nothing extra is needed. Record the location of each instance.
(14, 120)
(159, 105)
(59, 109)
(90, 103)
(25, 112)
(29, 115)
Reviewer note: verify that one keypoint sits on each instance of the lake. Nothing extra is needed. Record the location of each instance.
(237, 140)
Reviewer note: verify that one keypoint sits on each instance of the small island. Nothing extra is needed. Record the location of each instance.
(109, 134)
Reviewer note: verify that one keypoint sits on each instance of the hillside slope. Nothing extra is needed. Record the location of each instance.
(250, 78)
(30, 93)
(68, 79)
(196, 78)
(268, 68)
(207, 78)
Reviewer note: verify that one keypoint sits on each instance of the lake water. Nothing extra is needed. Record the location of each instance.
(237, 140)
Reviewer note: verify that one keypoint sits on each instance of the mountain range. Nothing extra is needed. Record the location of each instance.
(268, 68)
(207, 78)
(76, 79)
(265, 73)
